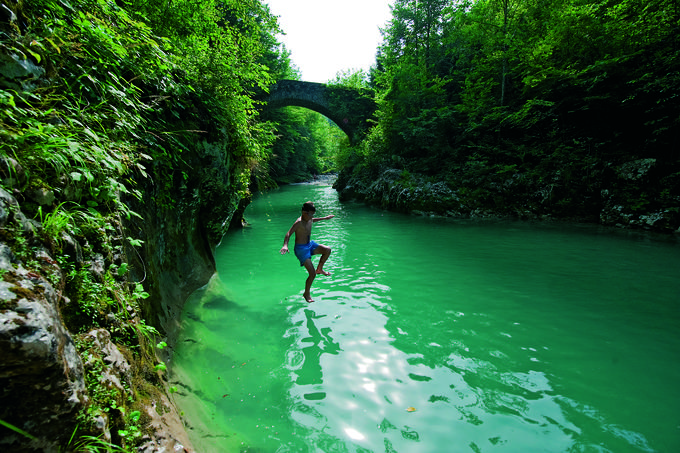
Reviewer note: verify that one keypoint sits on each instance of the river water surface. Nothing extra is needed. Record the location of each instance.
(433, 335)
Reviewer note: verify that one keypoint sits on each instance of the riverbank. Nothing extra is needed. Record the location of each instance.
(634, 194)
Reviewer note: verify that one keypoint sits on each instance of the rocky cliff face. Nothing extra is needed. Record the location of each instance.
(41, 373)
(182, 224)
(46, 382)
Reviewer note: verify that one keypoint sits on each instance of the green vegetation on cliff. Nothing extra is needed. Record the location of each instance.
(123, 124)
(564, 109)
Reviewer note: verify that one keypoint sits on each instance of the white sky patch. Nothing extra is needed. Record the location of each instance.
(328, 36)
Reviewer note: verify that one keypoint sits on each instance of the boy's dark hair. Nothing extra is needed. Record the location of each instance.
(308, 207)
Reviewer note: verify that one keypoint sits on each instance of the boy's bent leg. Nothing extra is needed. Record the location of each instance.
(308, 283)
(325, 252)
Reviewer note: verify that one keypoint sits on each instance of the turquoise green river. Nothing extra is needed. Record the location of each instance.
(432, 335)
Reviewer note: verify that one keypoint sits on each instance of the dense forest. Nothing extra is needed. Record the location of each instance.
(127, 124)
(561, 109)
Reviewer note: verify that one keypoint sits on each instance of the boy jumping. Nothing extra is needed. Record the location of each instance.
(305, 247)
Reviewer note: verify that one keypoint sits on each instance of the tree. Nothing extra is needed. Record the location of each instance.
(552, 91)
(414, 32)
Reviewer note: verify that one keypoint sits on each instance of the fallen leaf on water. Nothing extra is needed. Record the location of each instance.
(410, 409)
(225, 395)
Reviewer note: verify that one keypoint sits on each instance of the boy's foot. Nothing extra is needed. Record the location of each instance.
(322, 272)
(308, 298)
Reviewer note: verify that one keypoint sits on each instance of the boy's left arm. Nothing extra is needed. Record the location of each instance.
(328, 217)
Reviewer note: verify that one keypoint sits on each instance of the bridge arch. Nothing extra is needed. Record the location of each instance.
(351, 109)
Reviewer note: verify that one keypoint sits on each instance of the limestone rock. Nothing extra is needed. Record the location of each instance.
(43, 196)
(12, 174)
(117, 366)
(41, 374)
(169, 434)
(9, 209)
(635, 169)
(19, 72)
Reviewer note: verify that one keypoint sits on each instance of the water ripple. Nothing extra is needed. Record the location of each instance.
(498, 337)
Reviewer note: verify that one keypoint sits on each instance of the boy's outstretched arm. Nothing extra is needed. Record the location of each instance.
(328, 217)
(284, 249)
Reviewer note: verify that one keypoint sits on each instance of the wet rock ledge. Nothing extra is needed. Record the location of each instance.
(638, 194)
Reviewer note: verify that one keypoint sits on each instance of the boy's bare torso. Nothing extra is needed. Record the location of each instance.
(303, 230)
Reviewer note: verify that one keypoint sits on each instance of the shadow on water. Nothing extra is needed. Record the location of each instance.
(221, 303)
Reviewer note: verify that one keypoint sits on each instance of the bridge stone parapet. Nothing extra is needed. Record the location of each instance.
(351, 109)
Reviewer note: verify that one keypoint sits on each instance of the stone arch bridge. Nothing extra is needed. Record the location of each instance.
(351, 109)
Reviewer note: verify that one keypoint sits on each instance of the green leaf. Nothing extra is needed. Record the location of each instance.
(7, 99)
(135, 242)
(35, 55)
(53, 45)
(15, 429)
(87, 130)
(135, 415)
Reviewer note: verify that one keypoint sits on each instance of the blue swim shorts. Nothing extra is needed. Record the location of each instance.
(304, 251)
